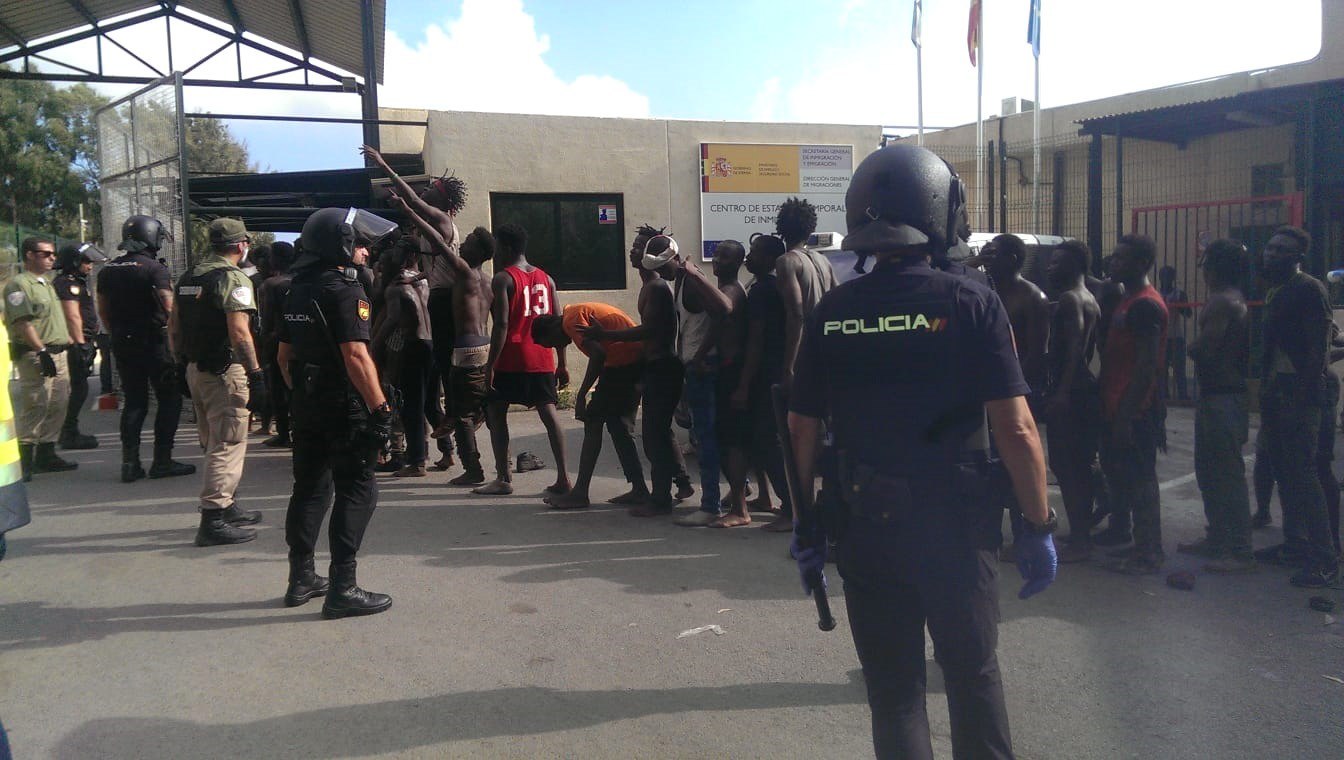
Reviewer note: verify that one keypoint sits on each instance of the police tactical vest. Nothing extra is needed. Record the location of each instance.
(896, 356)
(205, 332)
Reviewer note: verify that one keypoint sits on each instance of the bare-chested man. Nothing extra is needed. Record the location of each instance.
(733, 425)
(803, 275)
(1073, 401)
(663, 371)
(471, 299)
(439, 204)
(1221, 351)
(1028, 309)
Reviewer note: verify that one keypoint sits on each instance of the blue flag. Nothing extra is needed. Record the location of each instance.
(1034, 28)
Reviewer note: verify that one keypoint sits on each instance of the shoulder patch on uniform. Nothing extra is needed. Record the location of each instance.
(74, 290)
(16, 298)
(362, 308)
(242, 294)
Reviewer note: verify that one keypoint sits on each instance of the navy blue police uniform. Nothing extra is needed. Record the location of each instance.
(900, 363)
(324, 308)
(137, 324)
(73, 285)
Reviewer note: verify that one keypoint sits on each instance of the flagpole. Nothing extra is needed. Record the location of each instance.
(917, 37)
(1036, 155)
(980, 117)
(919, 75)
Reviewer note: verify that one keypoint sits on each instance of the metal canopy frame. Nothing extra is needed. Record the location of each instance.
(1180, 124)
(317, 76)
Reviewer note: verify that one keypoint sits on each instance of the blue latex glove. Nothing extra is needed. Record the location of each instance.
(810, 554)
(1036, 559)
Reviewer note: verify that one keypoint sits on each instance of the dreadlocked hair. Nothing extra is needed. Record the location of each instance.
(454, 192)
(797, 219)
(649, 231)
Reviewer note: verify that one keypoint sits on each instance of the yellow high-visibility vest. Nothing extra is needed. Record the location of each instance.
(13, 494)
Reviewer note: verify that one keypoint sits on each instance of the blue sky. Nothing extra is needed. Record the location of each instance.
(838, 61)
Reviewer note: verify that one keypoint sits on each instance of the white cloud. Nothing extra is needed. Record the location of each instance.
(492, 58)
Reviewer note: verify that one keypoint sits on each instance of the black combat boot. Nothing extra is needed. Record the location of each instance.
(346, 599)
(304, 582)
(45, 459)
(165, 467)
(131, 470)
(234, 515)
(215, 532)
(73, 440)
(26, 461)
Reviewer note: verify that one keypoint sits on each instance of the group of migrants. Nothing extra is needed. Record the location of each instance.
(450, 346)
(914, 388)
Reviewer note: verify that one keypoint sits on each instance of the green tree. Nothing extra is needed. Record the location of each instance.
(48, 154)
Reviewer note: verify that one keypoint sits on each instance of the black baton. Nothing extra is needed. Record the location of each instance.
(805, 518)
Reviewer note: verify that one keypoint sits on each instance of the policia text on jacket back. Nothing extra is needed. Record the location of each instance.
(339, 412)
(211, 333)
(905, 365)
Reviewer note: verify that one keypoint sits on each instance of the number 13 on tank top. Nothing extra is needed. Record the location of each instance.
(536, 300)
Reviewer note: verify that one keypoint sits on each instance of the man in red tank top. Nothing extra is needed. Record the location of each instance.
(519, 370)
(1131, 363)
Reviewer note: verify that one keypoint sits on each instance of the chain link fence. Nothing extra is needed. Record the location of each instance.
(142, 165)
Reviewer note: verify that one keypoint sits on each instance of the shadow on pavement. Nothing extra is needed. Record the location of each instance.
(404, 725)
(34, 625)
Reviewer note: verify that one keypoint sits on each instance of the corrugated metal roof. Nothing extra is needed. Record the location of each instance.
(331, 27)
(1199, 117)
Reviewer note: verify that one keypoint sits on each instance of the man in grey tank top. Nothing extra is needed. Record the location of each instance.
(804, 275)
(701, 310)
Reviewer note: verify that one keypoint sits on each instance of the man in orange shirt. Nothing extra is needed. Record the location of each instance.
(616, 367)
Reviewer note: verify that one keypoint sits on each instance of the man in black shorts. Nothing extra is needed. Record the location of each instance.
(616, 368)
(519, 371)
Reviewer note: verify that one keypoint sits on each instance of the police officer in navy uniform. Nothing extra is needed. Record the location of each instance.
(339, 413)
(910, 367)
(135, 297)
(75, 262)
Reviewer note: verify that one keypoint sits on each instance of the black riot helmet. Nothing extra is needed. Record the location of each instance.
(331, 235)
(903, 196)
(72, 255)
(142, 233)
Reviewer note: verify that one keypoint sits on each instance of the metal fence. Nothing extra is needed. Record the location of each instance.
(142, 158)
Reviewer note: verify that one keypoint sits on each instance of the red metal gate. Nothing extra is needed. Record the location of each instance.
(1182, 231)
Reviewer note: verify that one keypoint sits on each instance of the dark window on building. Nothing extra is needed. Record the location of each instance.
(578, 238)
(1267, 179)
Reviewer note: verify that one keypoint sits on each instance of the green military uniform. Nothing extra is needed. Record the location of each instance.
(218, 382)
(42, 399)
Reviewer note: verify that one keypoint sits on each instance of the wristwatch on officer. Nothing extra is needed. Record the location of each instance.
(1046, 528)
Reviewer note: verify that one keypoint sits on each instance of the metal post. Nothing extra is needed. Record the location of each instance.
(980, 103)
(370, 94)
(1119, 185)
(1003, 180)
(1057, 185)
(183, 171)
(1094, 206)
(991, 187)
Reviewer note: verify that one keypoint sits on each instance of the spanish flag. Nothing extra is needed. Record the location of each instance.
(973, 31)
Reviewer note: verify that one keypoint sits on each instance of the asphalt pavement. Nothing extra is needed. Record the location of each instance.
(519, 632)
